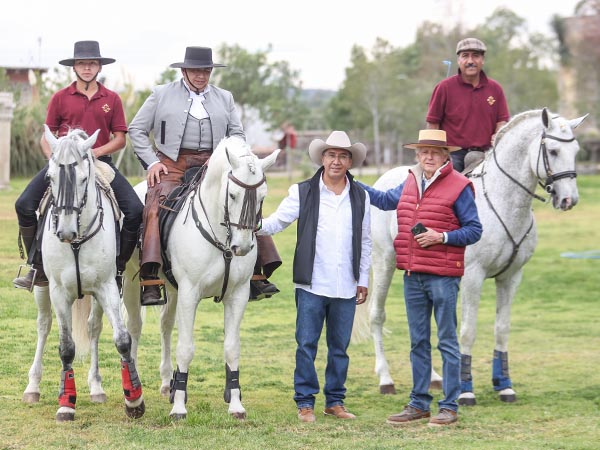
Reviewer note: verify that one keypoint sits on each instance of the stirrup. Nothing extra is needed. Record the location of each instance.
(161, 288)
(33, 279)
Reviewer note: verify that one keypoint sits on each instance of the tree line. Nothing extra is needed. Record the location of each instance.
(382, 101)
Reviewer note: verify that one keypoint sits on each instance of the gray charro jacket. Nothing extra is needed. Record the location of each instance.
(165, 113)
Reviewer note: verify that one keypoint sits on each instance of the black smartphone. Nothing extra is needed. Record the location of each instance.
(418, 228)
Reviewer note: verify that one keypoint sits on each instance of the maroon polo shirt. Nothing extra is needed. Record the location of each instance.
(70, 109)
(468, 114)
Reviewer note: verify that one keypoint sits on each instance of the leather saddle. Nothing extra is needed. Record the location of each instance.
(169, 209)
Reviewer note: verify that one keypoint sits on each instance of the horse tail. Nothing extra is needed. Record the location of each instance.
(361, 330)
(81, 311)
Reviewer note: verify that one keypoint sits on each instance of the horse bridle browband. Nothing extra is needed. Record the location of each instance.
(65, 202)
(248, 220)
(547, 185)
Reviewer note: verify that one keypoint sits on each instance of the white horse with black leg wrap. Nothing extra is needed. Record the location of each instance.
(535, 147)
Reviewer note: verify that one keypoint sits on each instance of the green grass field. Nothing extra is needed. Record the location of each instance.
(554, 356)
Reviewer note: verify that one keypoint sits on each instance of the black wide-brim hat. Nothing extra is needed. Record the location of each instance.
(197, 58)
(86, 50)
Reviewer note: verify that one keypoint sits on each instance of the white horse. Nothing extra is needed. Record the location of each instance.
(535, 147)
(212, 249)
(79, 252)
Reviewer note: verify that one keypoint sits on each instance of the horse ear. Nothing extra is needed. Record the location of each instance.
(574, 123)
(269, 160)
(84, 146)
(545, 117)
(50, 138)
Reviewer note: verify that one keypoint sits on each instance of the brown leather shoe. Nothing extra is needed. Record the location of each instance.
(306, 415)
(339, 411)
(410, 414)
(444, 417)
(34, 277)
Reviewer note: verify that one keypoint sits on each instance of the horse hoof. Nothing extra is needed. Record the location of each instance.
(239, 415)
(467, 401)
(435, 384)
(65, 417)
(387, 389)
(31, 397)
(135, 412)
(508, 398)
(98, 398)
(178, 416)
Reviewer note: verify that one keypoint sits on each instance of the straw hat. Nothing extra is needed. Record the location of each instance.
(432, 138)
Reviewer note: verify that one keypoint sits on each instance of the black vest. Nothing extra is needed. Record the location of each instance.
(308, 219)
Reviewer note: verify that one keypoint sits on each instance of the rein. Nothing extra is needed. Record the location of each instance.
(547, 185)
(248, 220)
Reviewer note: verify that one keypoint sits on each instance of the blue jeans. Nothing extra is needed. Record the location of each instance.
(338, 314)
(423, 293)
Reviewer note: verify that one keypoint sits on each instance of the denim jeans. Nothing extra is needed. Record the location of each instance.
(424, 293)
(338, 314)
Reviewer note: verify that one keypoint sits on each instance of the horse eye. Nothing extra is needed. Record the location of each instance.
(553, 152)
(231, 196)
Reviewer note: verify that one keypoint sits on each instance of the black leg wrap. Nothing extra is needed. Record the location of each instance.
(465, 368)
(232, 381)
(178, 383)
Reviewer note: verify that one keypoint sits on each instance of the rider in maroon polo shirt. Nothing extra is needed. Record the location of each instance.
(87, 105)
(469, 106)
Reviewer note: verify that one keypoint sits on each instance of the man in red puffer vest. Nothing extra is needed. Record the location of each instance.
(437, 219)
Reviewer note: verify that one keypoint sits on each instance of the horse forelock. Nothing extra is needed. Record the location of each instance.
(66, 150)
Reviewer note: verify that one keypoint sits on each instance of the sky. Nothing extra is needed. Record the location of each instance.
(314, 36)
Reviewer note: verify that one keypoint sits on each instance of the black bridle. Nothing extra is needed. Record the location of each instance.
(247, 221)
(547, 184)
(66, 201)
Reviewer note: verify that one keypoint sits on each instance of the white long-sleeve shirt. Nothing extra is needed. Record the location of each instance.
(332, 274)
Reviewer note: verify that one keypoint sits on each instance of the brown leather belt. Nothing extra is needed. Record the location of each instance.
(187, 151)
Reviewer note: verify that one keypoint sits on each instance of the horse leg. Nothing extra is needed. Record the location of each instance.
(167, 323)
(131, 303)
(108, 296)
(186, 316)
(44, 324)
(382, 278)
(471, 286)
(94, 324)
(505, 291)
(67, 393)
(234, 308)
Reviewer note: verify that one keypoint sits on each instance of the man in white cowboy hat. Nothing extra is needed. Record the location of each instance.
(90, 106)
(437, 219)
(469, 106)
(331, 267)
(187, 118)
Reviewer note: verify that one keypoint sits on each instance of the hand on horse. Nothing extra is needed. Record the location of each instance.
(154, 173)
(361, 294)
(429, 238)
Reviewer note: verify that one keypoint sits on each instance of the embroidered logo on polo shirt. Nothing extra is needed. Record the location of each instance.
(105, 108)
(491, 100)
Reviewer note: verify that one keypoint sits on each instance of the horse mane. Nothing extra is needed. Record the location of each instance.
(514, 122)
(67, 150)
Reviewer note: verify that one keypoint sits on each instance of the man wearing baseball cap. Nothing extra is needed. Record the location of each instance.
(469, 106)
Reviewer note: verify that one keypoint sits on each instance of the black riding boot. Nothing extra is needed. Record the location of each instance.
(35, 276)
(128, 243)
(260, 287)
(152, 288)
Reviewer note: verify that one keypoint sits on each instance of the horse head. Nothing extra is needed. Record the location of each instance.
(70, 172)
(555, 161)
(243, 186)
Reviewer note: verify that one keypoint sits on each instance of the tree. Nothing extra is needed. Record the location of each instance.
(272, 89)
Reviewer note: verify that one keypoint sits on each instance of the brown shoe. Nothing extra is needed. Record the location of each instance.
(306, 415)
(444, 417)
(339, 411)
(410, 414)
(34, 277)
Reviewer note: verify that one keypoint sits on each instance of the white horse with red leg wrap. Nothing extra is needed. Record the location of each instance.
(535, 147)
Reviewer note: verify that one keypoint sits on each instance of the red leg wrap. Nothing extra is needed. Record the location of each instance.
(67, 395)
(132, 387)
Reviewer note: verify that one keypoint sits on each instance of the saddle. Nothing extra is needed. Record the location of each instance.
(169, 208)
